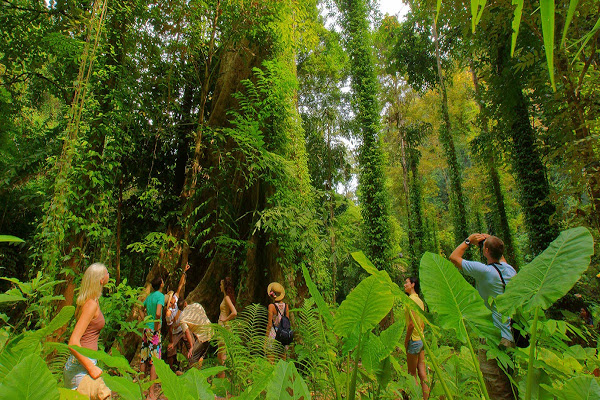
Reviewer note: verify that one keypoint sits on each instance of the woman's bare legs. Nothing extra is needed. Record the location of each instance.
(416, 363)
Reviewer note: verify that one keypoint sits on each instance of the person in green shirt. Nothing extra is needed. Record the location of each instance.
(151, 340)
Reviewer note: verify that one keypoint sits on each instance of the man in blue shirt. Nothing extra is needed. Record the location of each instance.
(489, 283)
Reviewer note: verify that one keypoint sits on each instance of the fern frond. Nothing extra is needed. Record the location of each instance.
(56, 355)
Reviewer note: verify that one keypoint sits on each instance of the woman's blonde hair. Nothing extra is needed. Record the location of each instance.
(91, 288)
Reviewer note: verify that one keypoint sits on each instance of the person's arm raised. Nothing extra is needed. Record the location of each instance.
(182, 280)
(88, 311)
(457, 255)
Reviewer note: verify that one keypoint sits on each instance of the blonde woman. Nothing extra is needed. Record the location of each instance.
(82, 373)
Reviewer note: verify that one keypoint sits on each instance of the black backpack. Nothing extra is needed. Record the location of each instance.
(283, 332)
(521, 340)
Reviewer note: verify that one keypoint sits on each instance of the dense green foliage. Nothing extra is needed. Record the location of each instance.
(277, 141)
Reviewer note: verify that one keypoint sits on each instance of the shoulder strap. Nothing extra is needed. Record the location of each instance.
(499, 273)
(278, 311)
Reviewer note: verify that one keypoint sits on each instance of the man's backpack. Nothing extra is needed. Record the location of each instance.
(283, 332)
(521, 340)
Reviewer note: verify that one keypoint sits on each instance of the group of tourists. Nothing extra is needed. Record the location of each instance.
(189, 328)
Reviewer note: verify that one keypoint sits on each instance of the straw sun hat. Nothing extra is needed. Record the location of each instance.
(277, 289)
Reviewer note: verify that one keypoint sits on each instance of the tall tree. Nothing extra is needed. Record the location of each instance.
(372, 192)
(460, 209)
(530, 172)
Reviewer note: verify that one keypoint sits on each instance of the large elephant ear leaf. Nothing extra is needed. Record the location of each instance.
(550, 275)
(385, 279)
(577, 388)
(364, 307)
(455, 301)
(287, 384)
(29, 380)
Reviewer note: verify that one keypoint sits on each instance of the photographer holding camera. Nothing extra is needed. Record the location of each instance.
(490, 280)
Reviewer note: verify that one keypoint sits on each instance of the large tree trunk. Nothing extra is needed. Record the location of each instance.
(490, 161)
(527, 165)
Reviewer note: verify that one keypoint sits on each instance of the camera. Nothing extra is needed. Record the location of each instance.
(481, 244)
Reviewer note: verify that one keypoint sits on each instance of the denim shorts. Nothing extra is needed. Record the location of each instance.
(74, 372)
(414, 346)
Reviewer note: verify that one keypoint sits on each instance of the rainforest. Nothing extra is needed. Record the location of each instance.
(299, 199)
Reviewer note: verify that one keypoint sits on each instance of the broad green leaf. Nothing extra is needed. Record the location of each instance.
(126, 389)
(258, 385)
(117, 362)
(10, 239)
(32, 338)
(171, 385)
(9, 358)
(557, 362)
(438, 7)
(10, 298)
(29, 380)
(572, 7)
(392, 335)
(68, 394)
(455, 301)
(364, 307)
(316, 295)
(547, 15)
(582, 387)
(372, 352)
(364, 262)
(197, 384)
(287, 384)
(384, 372)
(63, 317)
(385, 279)
(516, 23)
(550, 275)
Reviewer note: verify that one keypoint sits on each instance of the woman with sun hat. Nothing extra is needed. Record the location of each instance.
(277, 308)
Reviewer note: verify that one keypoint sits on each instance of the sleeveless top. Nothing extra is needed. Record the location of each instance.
(277, 318)
(89, 339)
(225, 311)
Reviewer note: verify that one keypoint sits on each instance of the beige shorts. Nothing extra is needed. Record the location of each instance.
(95, 389)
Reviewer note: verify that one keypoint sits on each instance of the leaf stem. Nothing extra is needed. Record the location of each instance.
(532, 354)
(477, 368)
(352, 388)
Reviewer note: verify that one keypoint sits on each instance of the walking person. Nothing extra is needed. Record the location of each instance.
(82, 373)
(151, 340)
(277, 309)
(490, 280)
(227, 313)
(415, 356)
